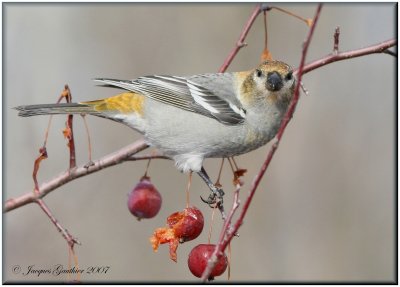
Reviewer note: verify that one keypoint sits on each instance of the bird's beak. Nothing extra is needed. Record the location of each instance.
(274, 82)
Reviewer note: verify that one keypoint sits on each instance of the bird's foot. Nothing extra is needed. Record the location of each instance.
(216, 199)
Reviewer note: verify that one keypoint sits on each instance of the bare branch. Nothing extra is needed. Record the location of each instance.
(240, 42)
(88, 138)
(307, 21)
(68, 237)
(374, 49)
(69, 175)
(70, 133)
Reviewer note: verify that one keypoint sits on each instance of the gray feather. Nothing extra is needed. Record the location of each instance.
(52, 109)
(189, 94)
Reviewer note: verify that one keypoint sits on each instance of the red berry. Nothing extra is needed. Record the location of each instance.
(182, 226)
(198, 260)
(187, 224)
(144, 201)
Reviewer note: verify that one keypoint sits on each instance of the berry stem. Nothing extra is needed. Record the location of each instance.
(88, 138)
(147, 168)
(211, 224)
(217, 183)
(188, 189)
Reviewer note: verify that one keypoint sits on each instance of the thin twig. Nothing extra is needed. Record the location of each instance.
(307, 21)
(147, 168)
(68, 237)
(211, 224)
(304, 88)
(88, 139)
(46, 135)
(231, 165)
(373, 49)
(240, 42)
(36, 166)
(70, 131)
(217, 182)
(71, 253)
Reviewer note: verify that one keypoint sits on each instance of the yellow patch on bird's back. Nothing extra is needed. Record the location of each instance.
(125, 103)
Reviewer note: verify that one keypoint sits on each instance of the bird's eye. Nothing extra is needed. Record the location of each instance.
(289, 76)
(258, 73)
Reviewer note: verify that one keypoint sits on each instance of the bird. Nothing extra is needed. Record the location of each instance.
(191, 118)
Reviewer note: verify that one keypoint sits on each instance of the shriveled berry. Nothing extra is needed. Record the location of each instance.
(144, 201)
(187, 224)
(198, 260)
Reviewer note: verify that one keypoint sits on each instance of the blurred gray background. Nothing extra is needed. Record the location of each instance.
(325, 209)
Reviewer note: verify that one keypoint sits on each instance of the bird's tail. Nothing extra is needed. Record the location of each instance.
(53, 109)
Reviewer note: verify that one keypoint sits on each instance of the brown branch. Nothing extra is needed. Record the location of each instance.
(240, 42)
(373, 49)
(68, 237)
(226, 237)
(71, 142)
(70, 175)
(68, 131)
(88, 139)
(36, 166)
(307, 21)
(46, 135)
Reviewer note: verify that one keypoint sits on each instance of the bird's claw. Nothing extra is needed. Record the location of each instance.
(211, 200)
(215, 199)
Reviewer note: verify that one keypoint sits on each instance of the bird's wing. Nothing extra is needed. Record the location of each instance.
(185, 93)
